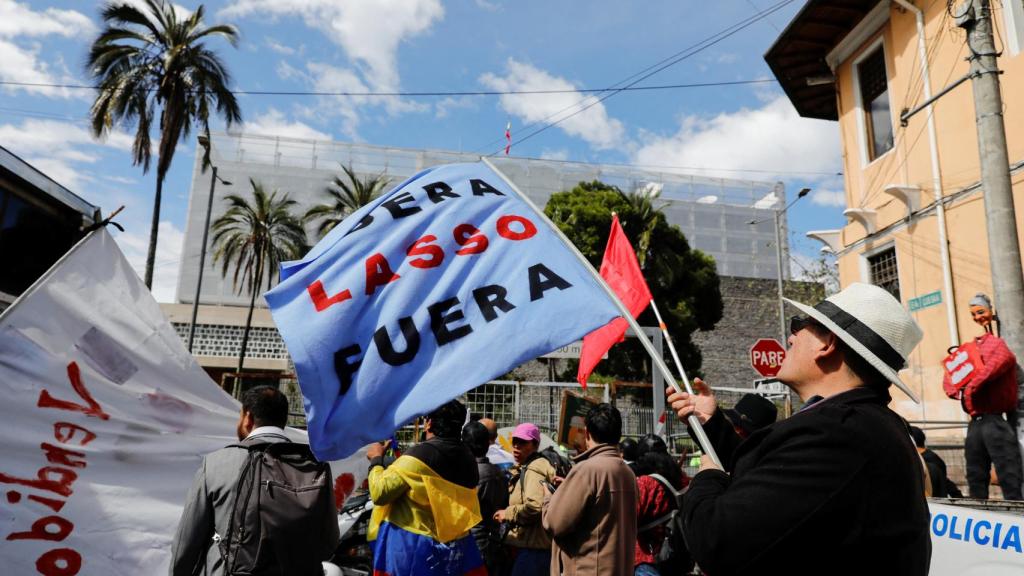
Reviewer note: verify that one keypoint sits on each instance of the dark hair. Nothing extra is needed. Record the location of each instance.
(604, 423)
(918, 435)
(268, 406)
(629, 449)
(446, 420)
(663, 464)
(476, 438)
(651, 443)
(863, 369)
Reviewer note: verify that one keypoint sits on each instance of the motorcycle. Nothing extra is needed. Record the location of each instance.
(354, 555)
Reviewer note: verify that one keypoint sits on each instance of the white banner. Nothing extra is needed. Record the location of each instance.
(106, 418)
(973, 542)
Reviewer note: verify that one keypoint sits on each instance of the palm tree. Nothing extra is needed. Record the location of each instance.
(254, 238)
(145, 59)
(645, 217)
(345, 198)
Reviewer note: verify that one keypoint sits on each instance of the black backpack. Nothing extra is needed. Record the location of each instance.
(674, 556)
(283, 520)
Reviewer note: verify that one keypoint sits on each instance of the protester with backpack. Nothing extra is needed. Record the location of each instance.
(264, 506)
(660, 547)
(532, 479)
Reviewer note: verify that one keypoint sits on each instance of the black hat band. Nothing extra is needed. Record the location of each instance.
(865, 335)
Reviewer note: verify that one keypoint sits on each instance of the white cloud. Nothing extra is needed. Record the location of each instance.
(18, 19)
(370, 31)
(771, 138)
(444, 106)
(180, 11)
(828, 198)
(59, 148)
(488, 6)
(20, 61)
(168, 257)
(274, 123)
(592, 125)
(561, 154)
(280, 48)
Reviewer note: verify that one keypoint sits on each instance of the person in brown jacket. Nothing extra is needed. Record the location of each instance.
(527, 489)
(592, 516)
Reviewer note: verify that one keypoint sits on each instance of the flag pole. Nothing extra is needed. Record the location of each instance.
(659, 362)
(671, 345)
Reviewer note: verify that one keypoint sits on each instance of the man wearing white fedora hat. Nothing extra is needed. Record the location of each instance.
(838, 487)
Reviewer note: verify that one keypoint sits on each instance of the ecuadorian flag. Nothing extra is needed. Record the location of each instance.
(421, 522)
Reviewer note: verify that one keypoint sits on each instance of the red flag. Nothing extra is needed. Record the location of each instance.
(621, 271)
(508, 138)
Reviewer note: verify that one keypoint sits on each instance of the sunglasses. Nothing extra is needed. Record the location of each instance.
(798, 323)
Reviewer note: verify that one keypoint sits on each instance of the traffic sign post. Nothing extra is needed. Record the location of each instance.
(766, 356)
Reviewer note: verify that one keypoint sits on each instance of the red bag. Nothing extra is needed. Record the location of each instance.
(962, 364)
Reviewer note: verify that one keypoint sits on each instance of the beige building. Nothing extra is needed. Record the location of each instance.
(864, 63)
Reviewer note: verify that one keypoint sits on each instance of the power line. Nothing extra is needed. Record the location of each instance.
(686, 53)
(431, 93)
(617, 86)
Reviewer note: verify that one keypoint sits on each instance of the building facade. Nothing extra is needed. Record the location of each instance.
(915, 207)
(40, 220)
(714, 214)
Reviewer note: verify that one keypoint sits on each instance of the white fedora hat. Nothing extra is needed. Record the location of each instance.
(873, 324)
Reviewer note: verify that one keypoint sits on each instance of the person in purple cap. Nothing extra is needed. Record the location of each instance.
(531, 475)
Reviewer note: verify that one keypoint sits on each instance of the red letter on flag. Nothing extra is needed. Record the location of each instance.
(621, 271)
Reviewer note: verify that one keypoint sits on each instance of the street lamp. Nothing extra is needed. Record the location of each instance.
(778, 256)
(205, 143)
(778, 276)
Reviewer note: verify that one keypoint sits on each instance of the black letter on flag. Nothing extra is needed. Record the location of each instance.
(439, 321)
(387, 350)
(438, 191)
(480, 188)
(366, 221)
(543, 279)
(344, 368)
(490, 297)
(394, 205)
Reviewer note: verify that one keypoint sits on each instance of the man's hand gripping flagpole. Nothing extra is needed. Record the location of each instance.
(692, 420)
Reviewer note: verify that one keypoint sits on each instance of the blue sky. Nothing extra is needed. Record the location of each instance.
(740, 131)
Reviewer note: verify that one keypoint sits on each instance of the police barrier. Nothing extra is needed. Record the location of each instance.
(975, 542)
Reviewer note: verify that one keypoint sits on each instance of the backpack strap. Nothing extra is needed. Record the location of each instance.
(668, 485)
(665, 519)
(659, 521)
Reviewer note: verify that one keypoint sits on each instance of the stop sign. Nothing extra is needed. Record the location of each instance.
(766, 357)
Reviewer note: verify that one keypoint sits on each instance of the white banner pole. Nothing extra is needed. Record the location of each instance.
(658, 361)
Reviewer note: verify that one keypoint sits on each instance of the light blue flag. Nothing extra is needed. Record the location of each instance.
(442, 284)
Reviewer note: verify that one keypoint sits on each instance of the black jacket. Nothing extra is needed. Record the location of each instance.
(492, 491)
(837, 488)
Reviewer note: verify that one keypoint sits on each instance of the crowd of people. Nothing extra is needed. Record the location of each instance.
(837, 487)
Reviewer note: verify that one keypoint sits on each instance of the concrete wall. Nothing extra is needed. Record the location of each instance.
(751, 312)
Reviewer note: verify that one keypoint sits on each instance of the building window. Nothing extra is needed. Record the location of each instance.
(874, 97)
(883, 271)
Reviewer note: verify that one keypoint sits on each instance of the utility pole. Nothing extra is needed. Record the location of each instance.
(975, 16)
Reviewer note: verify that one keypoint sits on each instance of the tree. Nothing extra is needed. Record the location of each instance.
(646, 215)
(345, 198)
(683, 281)
(145, 59)
(254, 238)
